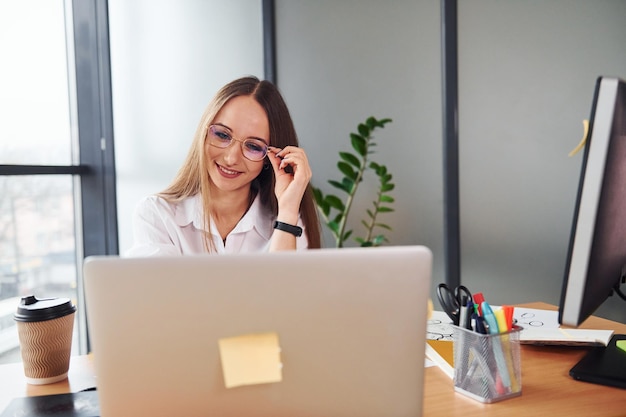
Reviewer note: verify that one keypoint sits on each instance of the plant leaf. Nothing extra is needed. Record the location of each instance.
(334, 226)
(339, 185)
(335, 202)
(348, 184)
(383, 225)
(384, 209)
(347, 170)
(387, 187)
(351, 159)
(378, 240)
(358, 143)
(383, 122)
(318, 195)
(363, 130)
(325, 208)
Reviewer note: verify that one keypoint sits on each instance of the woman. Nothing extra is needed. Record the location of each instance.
(244, 186)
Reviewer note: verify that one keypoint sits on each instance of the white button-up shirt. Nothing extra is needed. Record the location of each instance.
(164, 228)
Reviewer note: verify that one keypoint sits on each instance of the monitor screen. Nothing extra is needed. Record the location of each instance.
(597, 247)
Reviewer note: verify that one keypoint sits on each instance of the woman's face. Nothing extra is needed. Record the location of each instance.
(241, 118)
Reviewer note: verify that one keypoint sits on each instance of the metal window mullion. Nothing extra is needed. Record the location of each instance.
(98, 217)
(452, 228)
(106, 143)
(95, 123)
(269, 41)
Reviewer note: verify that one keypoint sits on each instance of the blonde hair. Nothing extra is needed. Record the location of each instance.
(192, 178)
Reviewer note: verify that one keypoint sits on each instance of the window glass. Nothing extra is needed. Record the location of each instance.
(34, 103)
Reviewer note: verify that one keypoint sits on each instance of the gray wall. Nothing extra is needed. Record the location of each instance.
(526, 70)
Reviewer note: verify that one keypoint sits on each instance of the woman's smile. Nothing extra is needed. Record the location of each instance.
(228, 173)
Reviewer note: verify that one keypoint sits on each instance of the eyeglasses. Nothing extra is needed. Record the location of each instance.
(252, 149)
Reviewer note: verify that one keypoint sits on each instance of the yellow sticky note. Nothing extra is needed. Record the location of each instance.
(250, 359)
(621, 344)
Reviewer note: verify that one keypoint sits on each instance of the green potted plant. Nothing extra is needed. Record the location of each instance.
(334, 210)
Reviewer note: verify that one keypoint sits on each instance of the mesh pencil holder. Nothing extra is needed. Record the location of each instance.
(487, 367)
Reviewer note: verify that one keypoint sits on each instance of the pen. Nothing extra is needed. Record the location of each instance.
(507, 318)
(501, 320)
(465, 315)
(478, 324)
(508, 314)
(489, 318)
(478, 299)
(497, 346)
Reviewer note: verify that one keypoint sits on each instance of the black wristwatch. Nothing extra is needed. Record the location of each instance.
(285, 227)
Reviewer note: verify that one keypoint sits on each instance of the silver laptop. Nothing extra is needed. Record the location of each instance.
(330, 332)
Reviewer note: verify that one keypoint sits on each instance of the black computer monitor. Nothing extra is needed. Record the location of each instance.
(596, 257)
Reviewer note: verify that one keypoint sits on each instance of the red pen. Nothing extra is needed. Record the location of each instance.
(478, 299)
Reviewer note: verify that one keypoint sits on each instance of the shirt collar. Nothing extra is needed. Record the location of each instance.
(190, 211)
(255, 218)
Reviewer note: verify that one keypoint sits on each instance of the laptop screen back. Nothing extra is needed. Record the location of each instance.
(331, 332)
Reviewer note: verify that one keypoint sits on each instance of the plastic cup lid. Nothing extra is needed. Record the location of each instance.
(33, 309)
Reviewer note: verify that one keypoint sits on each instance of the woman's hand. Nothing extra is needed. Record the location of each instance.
(293, 173)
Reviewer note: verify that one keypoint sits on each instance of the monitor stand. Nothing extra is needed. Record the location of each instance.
(604, 365)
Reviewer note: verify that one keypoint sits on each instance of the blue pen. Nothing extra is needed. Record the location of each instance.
(480, 325)
(490, 318)
(497, 347)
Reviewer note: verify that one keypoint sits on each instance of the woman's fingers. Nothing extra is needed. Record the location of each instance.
(291, 160)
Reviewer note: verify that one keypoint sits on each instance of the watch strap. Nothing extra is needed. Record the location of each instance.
(286, 227)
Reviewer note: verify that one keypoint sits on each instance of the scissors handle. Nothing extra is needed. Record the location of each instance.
(463, 295)
(455, 302)
(449, 303)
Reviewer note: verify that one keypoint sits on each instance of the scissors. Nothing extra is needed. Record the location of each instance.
(453, 301)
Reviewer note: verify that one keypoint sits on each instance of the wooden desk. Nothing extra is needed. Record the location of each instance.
(547, 388)
(13, 384)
